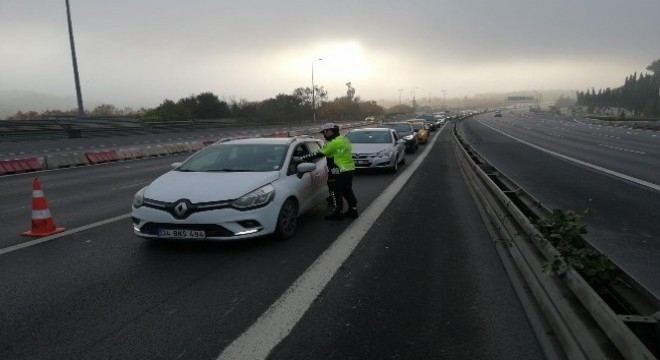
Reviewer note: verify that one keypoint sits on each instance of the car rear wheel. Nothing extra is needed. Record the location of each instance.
(287, 220)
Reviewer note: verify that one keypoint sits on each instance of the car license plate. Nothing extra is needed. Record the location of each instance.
(362, 162)
(181, 234)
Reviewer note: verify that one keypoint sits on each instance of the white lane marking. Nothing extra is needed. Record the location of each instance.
(622, 149)
(607, 136)
(65, 233)
(277, 322)
(619, 175)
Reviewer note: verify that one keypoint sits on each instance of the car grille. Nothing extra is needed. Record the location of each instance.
(363, 156)
(211, 230)
(187, 207)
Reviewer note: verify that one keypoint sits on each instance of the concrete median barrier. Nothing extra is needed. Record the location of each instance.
(98, 157)
(154, 151)
(15, 166)
(58, 161)
(129, 154)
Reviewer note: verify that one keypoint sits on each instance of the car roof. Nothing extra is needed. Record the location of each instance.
(395, 123)
(370, 129)
(266, 140)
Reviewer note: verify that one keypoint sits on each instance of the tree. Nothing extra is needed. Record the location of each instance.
(168, 110)
(210, 107)
(305, 96)
(564, 102)
(369, 108)
(400, 109)
(244, 109)
(104, 110)
(282, 108)
(639, 93)
(203, 106)
(654, 67)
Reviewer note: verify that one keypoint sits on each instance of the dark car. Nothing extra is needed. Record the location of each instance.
(407, 132)
(430, 121)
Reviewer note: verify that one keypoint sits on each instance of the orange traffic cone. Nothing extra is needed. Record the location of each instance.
(42, 222)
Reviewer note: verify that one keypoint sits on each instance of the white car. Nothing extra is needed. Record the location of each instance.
(377, 148)
(233, 189)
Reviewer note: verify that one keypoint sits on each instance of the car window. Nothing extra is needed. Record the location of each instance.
(402, 128)
(237, 158)
(303, 149)
(417, 126)
(313, 146)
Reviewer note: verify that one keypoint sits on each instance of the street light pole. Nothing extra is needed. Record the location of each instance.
(444, 99)
(314, 91)
(400, 90)
(81, 109)
(414, 103)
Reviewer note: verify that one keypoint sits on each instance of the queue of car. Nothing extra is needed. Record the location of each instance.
(244, 188)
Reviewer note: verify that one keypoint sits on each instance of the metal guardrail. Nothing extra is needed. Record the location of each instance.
(68, 159)
(570, 319)
(71, 127)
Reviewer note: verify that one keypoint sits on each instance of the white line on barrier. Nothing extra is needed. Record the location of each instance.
(619, 175)
(277, 322)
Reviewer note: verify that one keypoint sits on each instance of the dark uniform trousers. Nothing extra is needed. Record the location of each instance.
(341, 186)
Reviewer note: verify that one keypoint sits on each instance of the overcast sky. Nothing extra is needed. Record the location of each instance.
(140, 52)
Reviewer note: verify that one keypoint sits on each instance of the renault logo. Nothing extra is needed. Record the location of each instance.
(181, 208)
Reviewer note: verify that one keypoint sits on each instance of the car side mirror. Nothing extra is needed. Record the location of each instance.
(303, 168)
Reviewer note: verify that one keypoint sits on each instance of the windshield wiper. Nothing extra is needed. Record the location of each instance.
(231, 170)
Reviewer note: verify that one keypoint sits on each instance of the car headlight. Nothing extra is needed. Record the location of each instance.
(408, 137)
(385, 153)
(257, 198)
(138, 200)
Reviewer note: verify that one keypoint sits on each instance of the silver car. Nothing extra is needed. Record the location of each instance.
(235, 189)
(377, 148)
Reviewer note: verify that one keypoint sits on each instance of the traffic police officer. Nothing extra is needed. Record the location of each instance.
(340, 171)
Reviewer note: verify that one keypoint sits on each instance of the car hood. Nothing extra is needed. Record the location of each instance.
(206, 186)
(369, 148)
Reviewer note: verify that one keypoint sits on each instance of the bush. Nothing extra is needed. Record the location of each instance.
(564, 230)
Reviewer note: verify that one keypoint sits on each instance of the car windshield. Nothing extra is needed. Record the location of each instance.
(237, 158)
(417, 126)
(401, 128)
(369, 137)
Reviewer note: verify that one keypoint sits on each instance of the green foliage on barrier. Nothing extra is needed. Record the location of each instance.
(564, 230)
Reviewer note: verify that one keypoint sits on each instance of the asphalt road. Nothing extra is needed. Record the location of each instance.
(623, 222)
(423, 282)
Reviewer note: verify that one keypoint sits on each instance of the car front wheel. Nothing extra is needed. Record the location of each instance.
(395, 166)
(287, 220)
